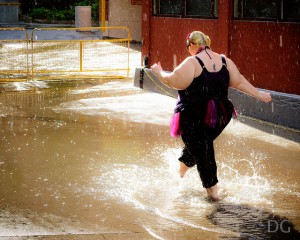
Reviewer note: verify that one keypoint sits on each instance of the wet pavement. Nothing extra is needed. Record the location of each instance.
(93, 159)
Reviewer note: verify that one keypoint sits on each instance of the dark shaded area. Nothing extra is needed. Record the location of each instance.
(252, 223)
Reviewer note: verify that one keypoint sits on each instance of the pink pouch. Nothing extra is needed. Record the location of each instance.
(235, 113)
(211, 117)
(175, 125)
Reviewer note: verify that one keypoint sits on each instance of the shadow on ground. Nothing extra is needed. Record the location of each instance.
(252, 223)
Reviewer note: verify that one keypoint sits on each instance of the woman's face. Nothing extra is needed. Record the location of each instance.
(190, 47)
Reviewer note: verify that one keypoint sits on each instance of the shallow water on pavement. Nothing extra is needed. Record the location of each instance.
(96, 157)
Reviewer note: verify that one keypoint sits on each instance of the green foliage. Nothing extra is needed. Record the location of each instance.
(39, 13)
(52, 14)
(84, 3)
(95, 11)
(60, 12)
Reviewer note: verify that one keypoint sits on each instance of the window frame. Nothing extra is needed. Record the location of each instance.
(280, 13)
(214, 11)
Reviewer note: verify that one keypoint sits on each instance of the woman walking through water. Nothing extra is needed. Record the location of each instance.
(203, 109)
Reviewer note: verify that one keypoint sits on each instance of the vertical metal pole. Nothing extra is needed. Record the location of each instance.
(27, 57)
(103, 15)
(81, 55)
(32, 69)
(128, 39)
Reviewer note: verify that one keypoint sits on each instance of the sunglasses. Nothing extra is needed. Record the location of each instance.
(188, 44)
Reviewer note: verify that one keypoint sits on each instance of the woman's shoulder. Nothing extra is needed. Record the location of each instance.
(229, 62)
(189, 61)
(193, 60)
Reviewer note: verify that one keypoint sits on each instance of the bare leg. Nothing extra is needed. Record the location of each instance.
(212, 193)
(182, 169)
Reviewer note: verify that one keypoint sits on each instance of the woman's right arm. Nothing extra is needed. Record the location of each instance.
(240, 83)
(180, 78)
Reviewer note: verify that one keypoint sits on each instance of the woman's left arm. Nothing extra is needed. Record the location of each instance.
(248, 88)
(239, 82)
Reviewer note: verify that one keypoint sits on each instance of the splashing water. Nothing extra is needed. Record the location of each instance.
(23, 86)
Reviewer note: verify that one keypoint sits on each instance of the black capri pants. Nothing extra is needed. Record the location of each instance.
(199, 148)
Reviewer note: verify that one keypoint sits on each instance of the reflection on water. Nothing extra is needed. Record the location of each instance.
(97, 158)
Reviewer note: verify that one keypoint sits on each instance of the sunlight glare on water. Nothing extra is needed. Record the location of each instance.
(140, 107)
(23, 86)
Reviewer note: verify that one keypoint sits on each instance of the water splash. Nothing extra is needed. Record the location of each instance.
(113, 86)
(136, 108)
(23, 86)
(245, 187)
(152, 233)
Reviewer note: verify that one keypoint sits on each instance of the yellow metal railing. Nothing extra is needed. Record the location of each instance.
(68, 53)
(82, 57)
(14, 55)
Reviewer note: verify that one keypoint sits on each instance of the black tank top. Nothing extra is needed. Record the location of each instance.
(204, 88)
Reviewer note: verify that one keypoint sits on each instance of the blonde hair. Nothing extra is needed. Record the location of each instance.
(199, 38)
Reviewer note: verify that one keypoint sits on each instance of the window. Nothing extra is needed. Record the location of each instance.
(169, 7)
(186, 8)
(288, 10)
(291, 9)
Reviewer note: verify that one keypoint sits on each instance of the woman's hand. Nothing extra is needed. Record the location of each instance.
(156, 68)
(264, 96)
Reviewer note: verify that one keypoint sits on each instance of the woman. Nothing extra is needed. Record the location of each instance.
(203, 109)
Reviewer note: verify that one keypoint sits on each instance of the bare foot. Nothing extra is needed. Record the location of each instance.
(182, 169)
(212, 193)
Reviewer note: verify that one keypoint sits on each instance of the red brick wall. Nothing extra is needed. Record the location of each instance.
(263, 57)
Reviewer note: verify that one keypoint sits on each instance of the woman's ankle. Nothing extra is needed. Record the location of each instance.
(182, 169)
(212, 193)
